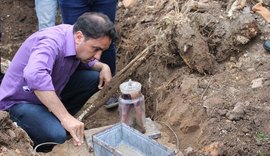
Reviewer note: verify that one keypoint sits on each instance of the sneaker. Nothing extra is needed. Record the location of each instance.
(112, 102)
(266, 45)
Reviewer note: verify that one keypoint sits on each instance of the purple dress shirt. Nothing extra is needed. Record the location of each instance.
(45, 61)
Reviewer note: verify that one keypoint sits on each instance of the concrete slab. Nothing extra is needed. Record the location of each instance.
(151, 129)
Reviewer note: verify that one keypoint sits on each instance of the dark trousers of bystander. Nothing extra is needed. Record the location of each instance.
(72, 9)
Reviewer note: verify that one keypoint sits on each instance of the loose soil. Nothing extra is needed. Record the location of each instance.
(205, 76)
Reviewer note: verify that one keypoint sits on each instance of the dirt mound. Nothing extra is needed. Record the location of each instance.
(201, 64)
(209, 113)
(13, 139)
(18, 22)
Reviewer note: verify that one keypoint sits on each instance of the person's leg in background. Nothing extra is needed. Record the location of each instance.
(46, 11)
(40, 124)
(71, 10)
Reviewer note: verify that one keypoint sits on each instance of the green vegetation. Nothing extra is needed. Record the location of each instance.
(261, 136)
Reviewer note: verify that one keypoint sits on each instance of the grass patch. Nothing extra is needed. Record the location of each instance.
(261, 136)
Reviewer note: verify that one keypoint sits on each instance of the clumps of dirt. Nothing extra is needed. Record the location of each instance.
(18, 20)
(204, 110)
(13, 140)
(199, 40)
(226, 37)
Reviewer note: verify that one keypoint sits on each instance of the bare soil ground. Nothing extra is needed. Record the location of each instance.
(205, 75)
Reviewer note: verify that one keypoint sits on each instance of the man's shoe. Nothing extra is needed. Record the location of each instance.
(112, 102)
(266, 45)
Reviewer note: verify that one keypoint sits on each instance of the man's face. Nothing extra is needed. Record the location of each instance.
(90, 49)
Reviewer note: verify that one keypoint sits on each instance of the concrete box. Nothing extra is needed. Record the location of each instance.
(122, 140)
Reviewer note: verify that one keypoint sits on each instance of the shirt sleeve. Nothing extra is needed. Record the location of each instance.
(88, 65)
(92, 63)
(37, 72)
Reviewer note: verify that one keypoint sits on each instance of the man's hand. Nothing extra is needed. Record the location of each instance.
(75, 128)
(105, 75)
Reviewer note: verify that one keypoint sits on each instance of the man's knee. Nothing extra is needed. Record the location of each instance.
(91, 78)
(57, 136)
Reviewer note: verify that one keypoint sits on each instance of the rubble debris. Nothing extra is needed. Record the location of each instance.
(13, 139)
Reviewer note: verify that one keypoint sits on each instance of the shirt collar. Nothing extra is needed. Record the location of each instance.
(70, 43)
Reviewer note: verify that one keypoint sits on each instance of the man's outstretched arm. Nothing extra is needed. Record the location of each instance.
(71, 124)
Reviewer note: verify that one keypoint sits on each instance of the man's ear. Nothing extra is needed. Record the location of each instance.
(79, 37)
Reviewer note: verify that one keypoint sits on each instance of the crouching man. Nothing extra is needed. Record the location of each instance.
(53, 74)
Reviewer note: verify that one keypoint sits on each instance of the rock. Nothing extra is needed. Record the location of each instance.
(129, 3)
(222, 112)
(214, 102)
(214, 149)
(257, 83)
(203, 84)
(237, 113)
(3, 149)
(4, 65)
(213, 120)
(245, 129)
(189, 127)
(189, 150)
(213, 106)
(189, 85)
(11, 134)
(267, 83)
(242, 39)
(257, 122)
(18, 151)
(3, 115)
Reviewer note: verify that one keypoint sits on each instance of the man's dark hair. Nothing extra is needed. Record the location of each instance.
(95, 25)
